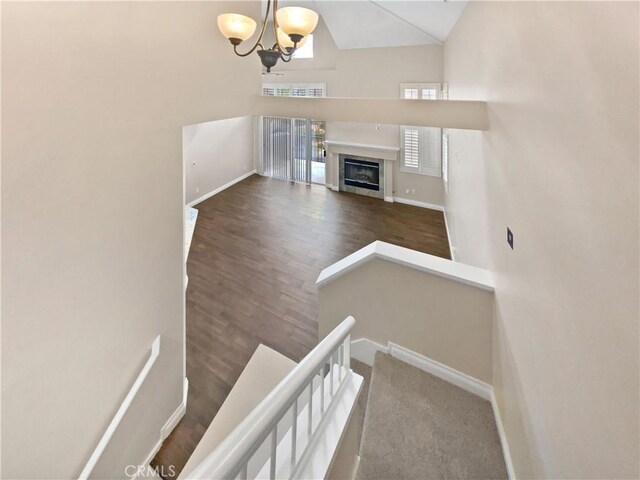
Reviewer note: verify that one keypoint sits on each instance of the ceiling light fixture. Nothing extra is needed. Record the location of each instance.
(291, 27)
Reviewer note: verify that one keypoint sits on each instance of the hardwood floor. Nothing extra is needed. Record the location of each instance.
(257, 250)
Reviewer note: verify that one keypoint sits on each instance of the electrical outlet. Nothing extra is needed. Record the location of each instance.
(413, 191)
(197, 190)
(407, 191)
(510, 238)
(378, 126)
(194, 164)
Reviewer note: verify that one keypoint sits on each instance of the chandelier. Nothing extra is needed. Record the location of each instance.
(291, 26)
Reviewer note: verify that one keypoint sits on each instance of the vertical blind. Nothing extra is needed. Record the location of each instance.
(286, 148)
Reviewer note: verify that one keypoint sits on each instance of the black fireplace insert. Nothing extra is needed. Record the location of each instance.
(363, 174)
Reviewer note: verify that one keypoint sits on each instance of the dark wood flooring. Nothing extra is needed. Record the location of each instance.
(256, 253)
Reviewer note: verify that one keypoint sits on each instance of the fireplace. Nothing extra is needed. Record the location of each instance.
(360, 173)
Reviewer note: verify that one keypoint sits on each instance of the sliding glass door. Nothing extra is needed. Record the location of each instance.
(291, 147)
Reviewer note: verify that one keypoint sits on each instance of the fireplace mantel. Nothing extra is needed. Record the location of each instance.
(383, 152)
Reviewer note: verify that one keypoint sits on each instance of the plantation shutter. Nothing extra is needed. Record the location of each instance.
(421, 150)
(298, 91)
(294, 90)
(431, 154)
(410, 149)
(445, 157)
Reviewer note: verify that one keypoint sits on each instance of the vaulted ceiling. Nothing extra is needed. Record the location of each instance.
(385, 23)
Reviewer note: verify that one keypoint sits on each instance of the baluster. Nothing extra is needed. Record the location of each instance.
(243, 471)
(310, 406)
(331, 376)
(322, 389)
(347, 346)
(274, 448)
(294, 434)
(340, 362)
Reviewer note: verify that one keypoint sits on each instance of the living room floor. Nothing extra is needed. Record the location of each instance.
(256, 253)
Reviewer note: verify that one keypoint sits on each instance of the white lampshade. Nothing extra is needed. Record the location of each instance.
(285, 41)
(297, 20)
(233, 25)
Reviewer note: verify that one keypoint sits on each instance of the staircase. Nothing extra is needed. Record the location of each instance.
(418, 426)
(329, 417)
(286, 420)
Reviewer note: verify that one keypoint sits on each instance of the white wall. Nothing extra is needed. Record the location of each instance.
(369, 73)
(456, 331)
(95, 96)
(559, 166)
(216, 153)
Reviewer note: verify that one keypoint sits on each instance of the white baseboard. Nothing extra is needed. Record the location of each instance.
(388, 199)
(440, 370)
(364, 350)
(446, 226)
(506, 452)
(171, 422)
(416, 203)
(219, 189)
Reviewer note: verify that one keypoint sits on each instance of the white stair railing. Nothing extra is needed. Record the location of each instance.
(230, 460)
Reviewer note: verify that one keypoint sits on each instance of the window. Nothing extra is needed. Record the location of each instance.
(305, 51)
(422, 91)
(294, 90)
(445, 158)
(411, 93)
(420, 150)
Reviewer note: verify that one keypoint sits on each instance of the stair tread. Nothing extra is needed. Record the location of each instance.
(418, 426)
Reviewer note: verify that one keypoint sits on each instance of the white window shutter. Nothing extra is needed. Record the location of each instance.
(445, 157)
(316, 90)
(295, 90)
(430, 151)
(410, 149)
(420, 150)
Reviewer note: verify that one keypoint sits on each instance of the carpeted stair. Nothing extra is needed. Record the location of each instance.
(417, 426)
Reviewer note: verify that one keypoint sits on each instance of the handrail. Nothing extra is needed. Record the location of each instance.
(124, 406)
(234, 452)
